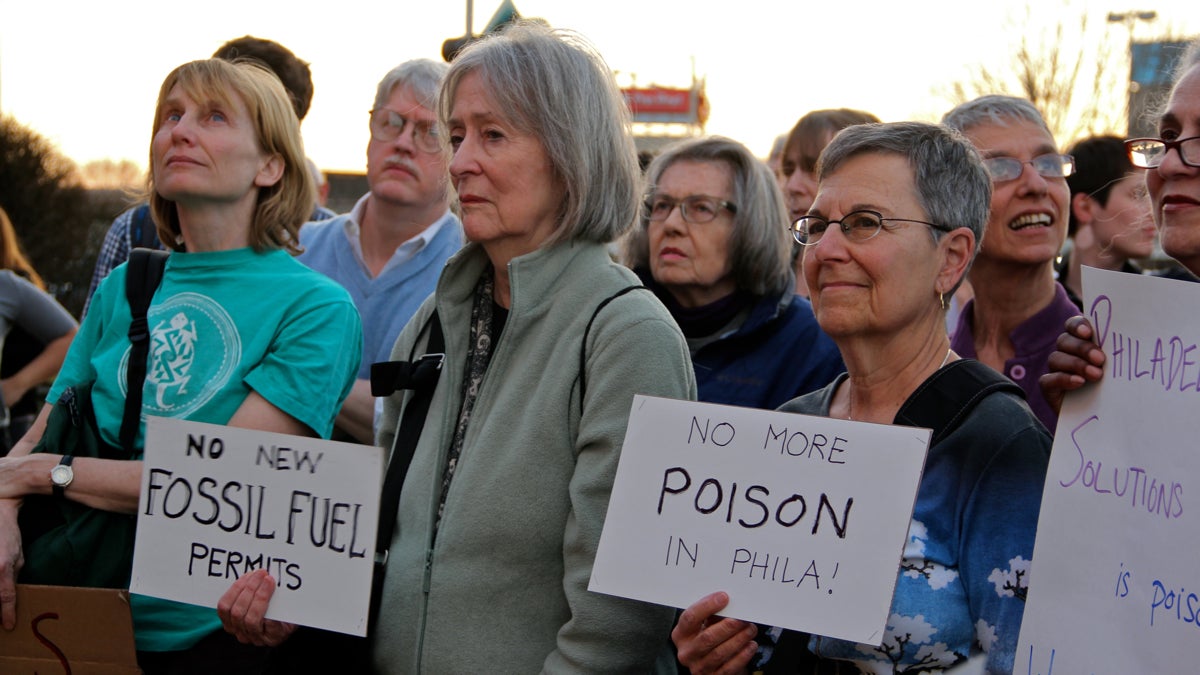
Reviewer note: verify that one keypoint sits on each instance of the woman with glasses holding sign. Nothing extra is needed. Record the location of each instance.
(895, 225)
(712, 244)
(240, 333)
(1019, 308)
(1172, 166)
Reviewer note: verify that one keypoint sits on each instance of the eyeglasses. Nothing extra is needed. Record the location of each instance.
(388, 125)
(1149, 153)
(695, 210)
(1053, 165)
(857, 226)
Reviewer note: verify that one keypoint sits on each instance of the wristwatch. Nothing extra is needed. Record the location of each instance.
(62, 475)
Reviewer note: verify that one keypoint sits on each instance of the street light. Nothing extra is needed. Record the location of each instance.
(507, 13)
(1132, 16)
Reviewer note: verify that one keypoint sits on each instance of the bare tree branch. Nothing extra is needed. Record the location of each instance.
(1074, 72)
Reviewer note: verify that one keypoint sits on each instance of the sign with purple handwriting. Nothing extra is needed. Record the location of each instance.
(800, 519)
(1114, 586)
(218, 502)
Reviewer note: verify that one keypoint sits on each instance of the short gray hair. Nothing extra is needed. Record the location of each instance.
(953, 187)
(422, 76)
(994, 109)
(760, 247)
(553, 84)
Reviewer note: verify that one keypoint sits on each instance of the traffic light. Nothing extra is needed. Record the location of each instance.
(506, 14)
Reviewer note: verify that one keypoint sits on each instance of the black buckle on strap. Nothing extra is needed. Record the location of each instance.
(139, 329)
(388, 377)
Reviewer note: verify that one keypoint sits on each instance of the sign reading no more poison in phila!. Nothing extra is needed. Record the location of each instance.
(1115, 581)
(802, 520)
(218, 502)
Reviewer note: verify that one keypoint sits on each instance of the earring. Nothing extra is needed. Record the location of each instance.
(942, 299)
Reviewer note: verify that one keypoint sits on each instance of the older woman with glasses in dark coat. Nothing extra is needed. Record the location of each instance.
(713, 245)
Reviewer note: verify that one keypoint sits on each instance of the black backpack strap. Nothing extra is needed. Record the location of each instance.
(944, 400)
(141, 280)
(421, 376)
(388, 377)
(587, 331)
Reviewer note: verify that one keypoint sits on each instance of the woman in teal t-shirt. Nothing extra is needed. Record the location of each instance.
(241, 333)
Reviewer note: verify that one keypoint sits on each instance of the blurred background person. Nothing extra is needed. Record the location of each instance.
(803, 147)
(35, 332)
(1111, 224)
(1018, 309)
(713, 245)
(134, 228)
(895, 225)
(506, 495)
(274, 344)
(319, 181)
(775, 159)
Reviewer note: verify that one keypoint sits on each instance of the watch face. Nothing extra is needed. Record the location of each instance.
(61, 475)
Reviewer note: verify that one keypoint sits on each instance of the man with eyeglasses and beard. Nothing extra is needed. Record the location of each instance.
(389, 249)
(1018, 309)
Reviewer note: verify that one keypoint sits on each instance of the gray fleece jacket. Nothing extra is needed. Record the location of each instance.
(503, 588)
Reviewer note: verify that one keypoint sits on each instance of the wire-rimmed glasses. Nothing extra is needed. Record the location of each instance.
(696, 209)
(857, 226)
(1051, 165)
(388, 125)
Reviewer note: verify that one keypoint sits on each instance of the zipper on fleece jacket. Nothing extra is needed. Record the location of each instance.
(427, 573)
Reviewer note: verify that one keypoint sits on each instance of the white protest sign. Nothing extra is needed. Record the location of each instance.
(1115, 585)
(802, 520)
(218, 502)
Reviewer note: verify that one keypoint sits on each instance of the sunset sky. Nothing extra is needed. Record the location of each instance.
(85, 74)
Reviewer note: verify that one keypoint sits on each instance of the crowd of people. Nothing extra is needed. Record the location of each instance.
(509, 230)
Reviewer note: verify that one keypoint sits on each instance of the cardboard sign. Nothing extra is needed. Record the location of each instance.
(1115, 585)
(802, 520)
(84, 631)
(218, 502)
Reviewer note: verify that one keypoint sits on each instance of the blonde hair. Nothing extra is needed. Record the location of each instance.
(12, 257)
(283, 207)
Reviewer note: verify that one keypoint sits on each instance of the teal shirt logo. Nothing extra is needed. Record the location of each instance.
(195, 349)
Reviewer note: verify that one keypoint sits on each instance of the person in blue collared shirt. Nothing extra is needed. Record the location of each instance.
(391, 247)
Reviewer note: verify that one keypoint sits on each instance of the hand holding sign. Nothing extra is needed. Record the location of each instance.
(1077, 361)
(706, 642)
(243, 611)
